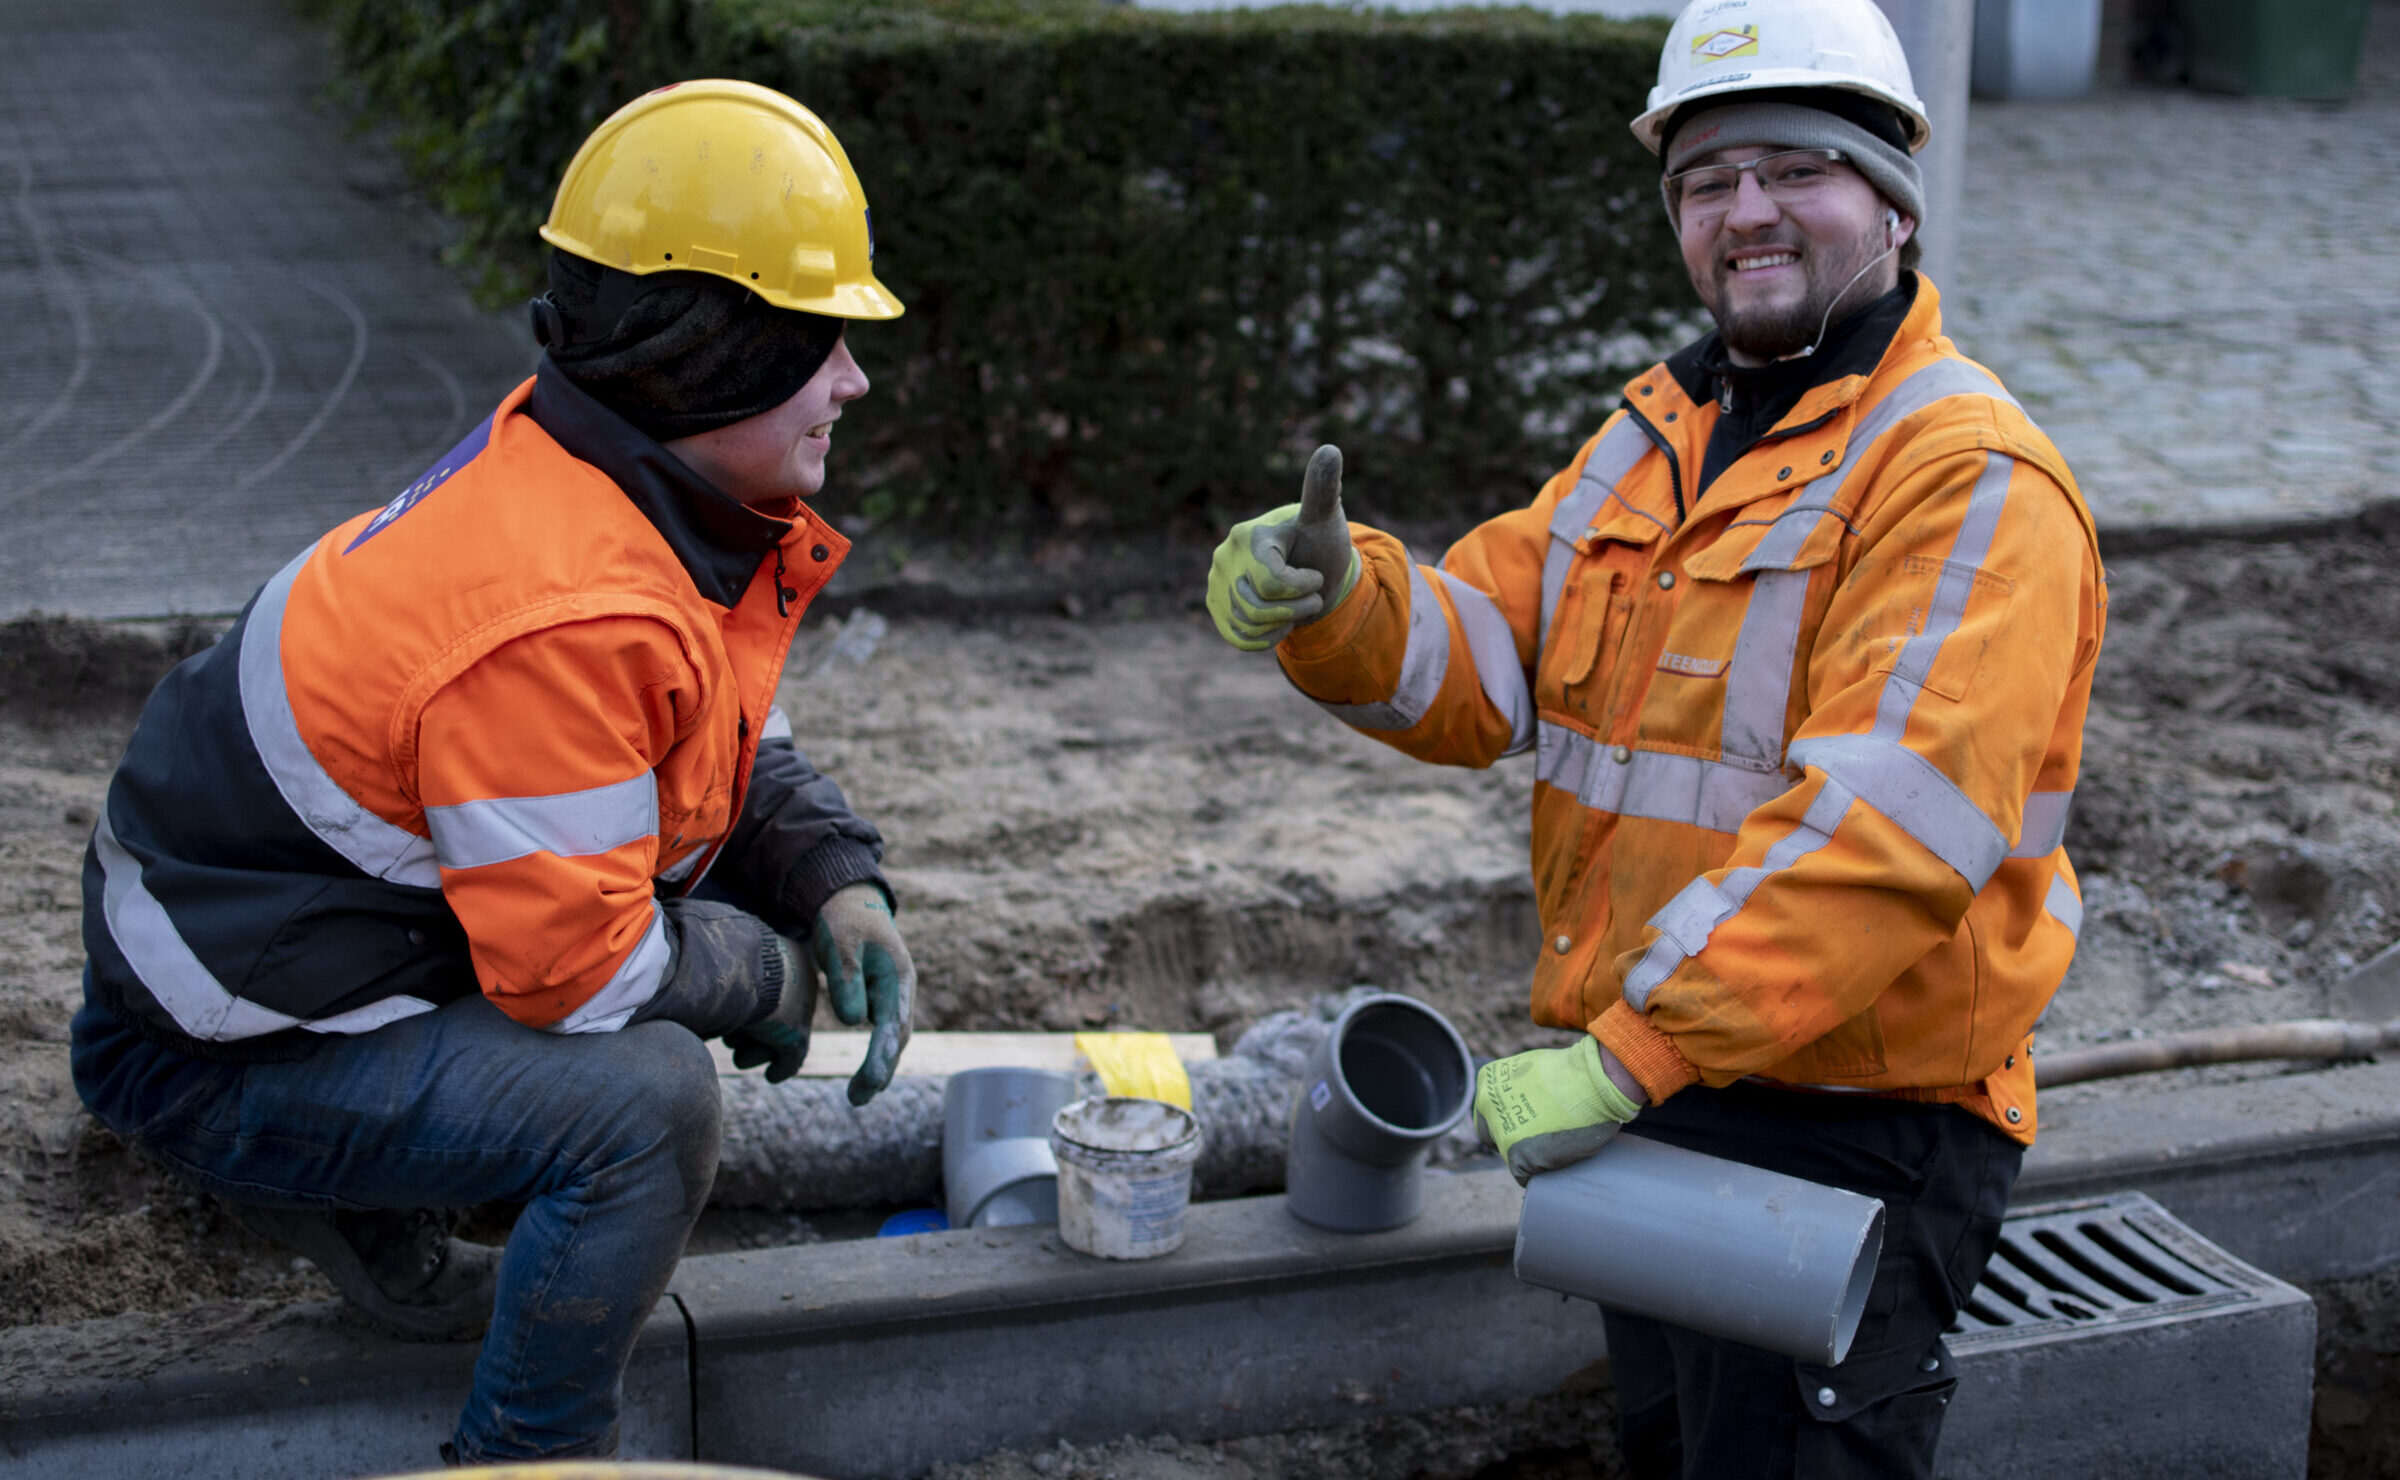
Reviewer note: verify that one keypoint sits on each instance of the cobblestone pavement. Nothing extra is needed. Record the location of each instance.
(228, 326)
(2195, 295)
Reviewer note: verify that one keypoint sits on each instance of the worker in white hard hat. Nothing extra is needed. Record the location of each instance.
(1802, 642)
(423, 888)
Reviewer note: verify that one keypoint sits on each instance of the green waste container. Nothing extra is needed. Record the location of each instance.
(2276, 48)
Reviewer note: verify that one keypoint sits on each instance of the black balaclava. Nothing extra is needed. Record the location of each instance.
(676, 353)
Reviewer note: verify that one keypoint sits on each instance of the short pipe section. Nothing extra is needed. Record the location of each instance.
(1730, 1250)
(1388, 1081)
(997, 1166)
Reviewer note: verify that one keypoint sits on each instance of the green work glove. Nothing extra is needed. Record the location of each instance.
(869, 976)
(1548, 1107)
(1273, 572)
(780, 1039)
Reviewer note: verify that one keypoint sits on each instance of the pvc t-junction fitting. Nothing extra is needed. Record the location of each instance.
(997, 1167)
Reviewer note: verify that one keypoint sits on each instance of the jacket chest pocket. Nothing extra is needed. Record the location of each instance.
(1587, 631)
(1725, 677)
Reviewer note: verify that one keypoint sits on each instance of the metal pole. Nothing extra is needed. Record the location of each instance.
(1939, 37)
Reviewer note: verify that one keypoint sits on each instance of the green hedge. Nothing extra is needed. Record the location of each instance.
(1150, 259)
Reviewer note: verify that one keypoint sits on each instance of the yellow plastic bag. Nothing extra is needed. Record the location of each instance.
(1142, 1065)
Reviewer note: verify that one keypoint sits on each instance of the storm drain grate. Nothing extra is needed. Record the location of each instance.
(2107, 1338)
(2097, 1262)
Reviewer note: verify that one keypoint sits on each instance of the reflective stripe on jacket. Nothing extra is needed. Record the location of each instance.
(465, 741)
(1803, 752)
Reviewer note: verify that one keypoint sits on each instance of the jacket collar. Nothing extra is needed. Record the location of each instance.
(1676, 406)
(717, 538)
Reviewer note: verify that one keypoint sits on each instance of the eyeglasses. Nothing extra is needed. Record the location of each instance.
(1788, 179)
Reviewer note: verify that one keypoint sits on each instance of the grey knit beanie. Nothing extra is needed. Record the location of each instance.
(1888, 166)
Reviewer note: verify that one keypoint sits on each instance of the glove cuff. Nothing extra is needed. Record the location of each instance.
(1614, 1104)
(725, 972)
(1341, 592)
(778, 973)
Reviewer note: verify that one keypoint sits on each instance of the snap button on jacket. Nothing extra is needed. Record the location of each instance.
(1803, 744)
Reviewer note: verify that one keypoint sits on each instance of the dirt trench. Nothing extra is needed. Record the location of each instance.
(1111, 819)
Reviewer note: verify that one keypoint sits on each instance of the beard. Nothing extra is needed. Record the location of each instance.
(1770, 332)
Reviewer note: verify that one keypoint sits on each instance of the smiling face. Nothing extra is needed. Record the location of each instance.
(779, 454)
(1770, 272)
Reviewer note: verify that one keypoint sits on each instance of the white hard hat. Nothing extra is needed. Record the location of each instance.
(1720, 47)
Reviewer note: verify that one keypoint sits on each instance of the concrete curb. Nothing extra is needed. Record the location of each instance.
(882, 1357)
(2299, 1175)
(301, 1393)
(889, 1357)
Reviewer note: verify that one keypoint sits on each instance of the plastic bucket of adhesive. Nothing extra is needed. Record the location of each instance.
(997, 1168)
(1730, 1250)
(1124, 1175)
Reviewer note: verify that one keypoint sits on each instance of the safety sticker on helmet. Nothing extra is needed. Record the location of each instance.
(1718, 46)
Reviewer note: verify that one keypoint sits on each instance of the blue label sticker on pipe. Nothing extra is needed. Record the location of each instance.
(1321, 1096)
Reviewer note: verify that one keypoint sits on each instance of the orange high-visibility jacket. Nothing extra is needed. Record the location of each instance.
(1803, 751)
(470, 740)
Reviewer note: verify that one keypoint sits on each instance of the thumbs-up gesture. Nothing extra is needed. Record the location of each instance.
(1288, 566)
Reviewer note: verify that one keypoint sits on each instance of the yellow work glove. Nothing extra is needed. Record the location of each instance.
(1548, 1107)
(1288, 566)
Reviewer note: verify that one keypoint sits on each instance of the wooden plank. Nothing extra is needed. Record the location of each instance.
(837, 1055)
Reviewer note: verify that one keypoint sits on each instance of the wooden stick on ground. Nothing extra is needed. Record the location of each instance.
(2307, 1038)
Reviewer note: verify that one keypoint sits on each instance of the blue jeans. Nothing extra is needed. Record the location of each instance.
(609, 1139)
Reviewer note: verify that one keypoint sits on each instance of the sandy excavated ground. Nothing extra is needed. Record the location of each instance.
(1116, 820)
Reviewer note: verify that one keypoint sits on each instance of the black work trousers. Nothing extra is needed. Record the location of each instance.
(1696, 1406)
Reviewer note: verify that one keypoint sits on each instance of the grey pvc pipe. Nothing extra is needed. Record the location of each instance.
(997, 1166)
(1391, 1077)
(1730, 1250)
(801, 1144)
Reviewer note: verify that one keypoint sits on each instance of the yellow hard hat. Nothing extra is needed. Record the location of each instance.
(727, 178)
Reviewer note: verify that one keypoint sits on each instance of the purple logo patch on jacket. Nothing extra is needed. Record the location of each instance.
(468, 449)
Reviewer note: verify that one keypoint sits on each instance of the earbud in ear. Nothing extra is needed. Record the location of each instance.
(1891, 228)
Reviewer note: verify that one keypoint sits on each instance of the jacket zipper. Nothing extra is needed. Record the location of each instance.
(1674, 464)
(746, 755)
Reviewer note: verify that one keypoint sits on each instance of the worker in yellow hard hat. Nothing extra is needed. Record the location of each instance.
(424, 886)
